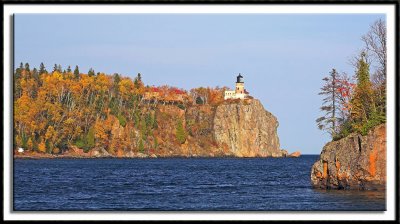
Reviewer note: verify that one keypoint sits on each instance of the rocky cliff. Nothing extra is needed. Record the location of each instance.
(354, 162)
(241, 128)
(237, 128)
(247, 129)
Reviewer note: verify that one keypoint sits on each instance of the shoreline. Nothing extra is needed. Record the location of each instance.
(22, 157)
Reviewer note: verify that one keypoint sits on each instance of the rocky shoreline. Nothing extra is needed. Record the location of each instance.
(67, 156)
(241, 128)
(354, 162)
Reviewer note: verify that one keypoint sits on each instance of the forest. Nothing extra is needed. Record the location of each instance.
(357, 103)
(57, 110)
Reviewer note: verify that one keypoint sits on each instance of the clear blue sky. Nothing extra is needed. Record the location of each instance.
(282, 57)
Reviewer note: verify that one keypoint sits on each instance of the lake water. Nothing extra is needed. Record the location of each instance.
(179, 184)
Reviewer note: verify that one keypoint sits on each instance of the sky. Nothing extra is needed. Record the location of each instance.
(282, 57)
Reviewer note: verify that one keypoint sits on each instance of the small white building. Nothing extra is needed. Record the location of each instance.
(239, 92)
(20, 150)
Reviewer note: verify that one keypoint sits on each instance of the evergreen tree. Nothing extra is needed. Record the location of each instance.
(55, 68)
(137, 80)
(180, 132)
(42, 69)
(141, 146)
(155, 142)
(36, 76)
(144, 129)
(76, 72)
(149, 120)
(27, 67)
(69, 69)
(155, 124)
(116, 80)
(137, 119)
(17, 82)
(329, 121)
(91, 72)
(90, 139)
(362, 104)
(18, 71)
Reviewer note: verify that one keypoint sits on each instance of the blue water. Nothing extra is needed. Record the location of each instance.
(179, 184)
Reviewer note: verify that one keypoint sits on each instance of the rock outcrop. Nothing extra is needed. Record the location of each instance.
(247, 129)
(237, 128)
(295, 154)
(354, 162)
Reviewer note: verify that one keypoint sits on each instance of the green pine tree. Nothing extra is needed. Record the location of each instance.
(141, 146)
(91, 72)
(76, 72)
(90, 139)
(27, 67)
(180, 132)
(42, 69)
(362, 104)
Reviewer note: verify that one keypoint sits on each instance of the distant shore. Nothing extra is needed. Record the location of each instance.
(69, 156)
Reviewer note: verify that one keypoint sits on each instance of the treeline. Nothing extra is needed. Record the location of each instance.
(62, 108)
(357, 103)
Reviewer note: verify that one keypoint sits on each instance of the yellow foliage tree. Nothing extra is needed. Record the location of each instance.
(42, 147)
(30, 144)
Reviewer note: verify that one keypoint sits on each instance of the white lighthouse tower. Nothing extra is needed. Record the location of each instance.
(239, 92)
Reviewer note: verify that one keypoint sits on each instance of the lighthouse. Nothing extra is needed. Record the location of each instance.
(239, 92)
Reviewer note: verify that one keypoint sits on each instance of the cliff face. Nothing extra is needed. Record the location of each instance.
(354, 162)
(247, 129)
(240, 128)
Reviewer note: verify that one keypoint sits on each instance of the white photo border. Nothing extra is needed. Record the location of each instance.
(389, 10)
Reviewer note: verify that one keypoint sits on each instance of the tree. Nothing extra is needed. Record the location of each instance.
(30, 144)
(155, 123)
(21, 66)
(42, 147)
(55, 68)
(141, 146)
(69, 69)
(18, 71)
(35, 75)
(91, 72)
(90, 139)
(155, 142)
(138, 84)
(330, 106)
(362, 104)
(42, 69)
(375, 45)
(180, 132)
(76, 72)
(27, 67)
(345, 93)
(17, 81)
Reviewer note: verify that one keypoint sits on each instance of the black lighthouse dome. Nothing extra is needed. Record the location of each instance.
(239, 78)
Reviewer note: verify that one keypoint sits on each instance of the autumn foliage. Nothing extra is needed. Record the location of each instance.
(359, 105)
(54, 111)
